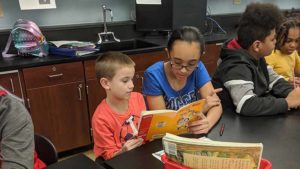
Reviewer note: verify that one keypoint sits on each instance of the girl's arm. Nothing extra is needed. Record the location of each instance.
(156, 102)
(214, 110)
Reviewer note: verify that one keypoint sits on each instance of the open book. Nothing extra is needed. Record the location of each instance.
(71, 48)
(202, 154)
(156, 123)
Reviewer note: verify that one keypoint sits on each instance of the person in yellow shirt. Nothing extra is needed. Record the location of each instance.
(285, 58)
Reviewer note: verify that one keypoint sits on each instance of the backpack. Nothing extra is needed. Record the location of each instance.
(28, 39)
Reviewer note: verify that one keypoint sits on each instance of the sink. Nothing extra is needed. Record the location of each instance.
(124, 45)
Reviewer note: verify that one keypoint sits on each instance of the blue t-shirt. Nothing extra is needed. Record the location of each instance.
(156, 83)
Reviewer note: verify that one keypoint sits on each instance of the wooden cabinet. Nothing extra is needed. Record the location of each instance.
(11, 81)
(211, 56)
(96, 93)
(143, 61)
(56, 98)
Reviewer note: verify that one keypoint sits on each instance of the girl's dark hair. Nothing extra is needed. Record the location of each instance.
(257, 22)
(188, 34)
(283, 31)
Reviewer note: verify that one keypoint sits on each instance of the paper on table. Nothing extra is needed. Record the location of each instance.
(158, 154)
(76, 43)
(149, 2)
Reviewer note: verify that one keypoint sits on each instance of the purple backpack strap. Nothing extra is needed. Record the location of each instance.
(4, 53)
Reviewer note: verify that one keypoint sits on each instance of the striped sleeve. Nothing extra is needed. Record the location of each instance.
(278, 86)
(239, 84)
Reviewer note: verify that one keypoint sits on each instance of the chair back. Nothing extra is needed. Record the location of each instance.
(45, 149)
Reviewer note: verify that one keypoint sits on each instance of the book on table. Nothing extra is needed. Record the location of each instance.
(203, 154)
(156, 123)
(72, 48)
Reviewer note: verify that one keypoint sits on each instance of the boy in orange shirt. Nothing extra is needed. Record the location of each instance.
(115, 119)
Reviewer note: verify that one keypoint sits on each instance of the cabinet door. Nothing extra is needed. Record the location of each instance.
(95, 94)
(211, 56)
(144, 60)
(60, 113)
(10, 80)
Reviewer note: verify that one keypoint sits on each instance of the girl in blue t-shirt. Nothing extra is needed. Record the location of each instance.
(183, 79)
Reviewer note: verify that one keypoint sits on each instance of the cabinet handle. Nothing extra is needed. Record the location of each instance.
(79, 91)
(12, 85)
(87, 89)
(55, 75)
(28, 103)
(140, 77)
(91, 132)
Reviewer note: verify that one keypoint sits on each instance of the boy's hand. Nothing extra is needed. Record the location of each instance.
(293, 98)
(201, 126)
(131, 144)
(212, 100)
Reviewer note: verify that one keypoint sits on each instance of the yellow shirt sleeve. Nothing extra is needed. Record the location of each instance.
(297, 64)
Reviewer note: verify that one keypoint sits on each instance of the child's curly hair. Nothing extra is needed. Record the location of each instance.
(257, 22)
(283, 31)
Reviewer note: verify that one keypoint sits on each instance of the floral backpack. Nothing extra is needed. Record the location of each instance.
(27, 38)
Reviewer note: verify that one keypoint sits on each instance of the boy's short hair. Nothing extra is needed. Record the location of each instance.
(257, 22)
(109, 62)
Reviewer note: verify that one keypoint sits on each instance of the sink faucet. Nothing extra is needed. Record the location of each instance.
(104, 9)
(106, 36)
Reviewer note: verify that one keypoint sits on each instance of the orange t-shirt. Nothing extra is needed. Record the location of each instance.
(109, 127)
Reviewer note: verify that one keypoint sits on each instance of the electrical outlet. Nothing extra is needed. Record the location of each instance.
(236, 2)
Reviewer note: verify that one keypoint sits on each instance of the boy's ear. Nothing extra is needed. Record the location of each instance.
(105, 83)
(256, 46)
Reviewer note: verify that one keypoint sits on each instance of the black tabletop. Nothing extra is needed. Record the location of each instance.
(280, 135)
(76, 162)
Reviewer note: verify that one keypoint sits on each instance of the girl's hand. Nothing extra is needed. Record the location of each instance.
(212, 100)
(201, 126)
(294, 81)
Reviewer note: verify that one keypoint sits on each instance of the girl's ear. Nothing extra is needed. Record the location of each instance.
(105, 83)
(167, 53)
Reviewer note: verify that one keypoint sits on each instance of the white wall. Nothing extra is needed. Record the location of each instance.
(70, 12)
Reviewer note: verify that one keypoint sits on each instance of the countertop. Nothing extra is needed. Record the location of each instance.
(19, 62)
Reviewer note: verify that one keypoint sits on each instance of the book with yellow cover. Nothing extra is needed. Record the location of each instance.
(156, 123)
(203, 154)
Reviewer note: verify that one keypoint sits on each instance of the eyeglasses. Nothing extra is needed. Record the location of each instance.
(179, 66)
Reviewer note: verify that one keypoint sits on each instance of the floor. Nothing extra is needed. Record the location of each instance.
(88, 153)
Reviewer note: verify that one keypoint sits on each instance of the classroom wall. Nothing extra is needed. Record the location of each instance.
(70, 12)
(67, 12)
